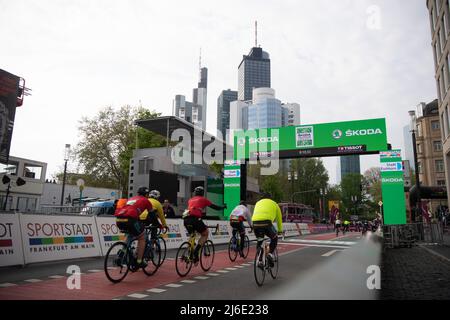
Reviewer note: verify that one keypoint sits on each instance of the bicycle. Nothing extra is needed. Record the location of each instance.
(262, 264)
(235, 243)
(122, 258)
(185, 254)
(161, 241)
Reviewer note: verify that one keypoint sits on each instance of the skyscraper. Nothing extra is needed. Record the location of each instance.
(350, 164)
(194, 112)
(254, 72)
(223, 110)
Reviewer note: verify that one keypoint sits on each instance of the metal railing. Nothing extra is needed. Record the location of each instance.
(401, 236)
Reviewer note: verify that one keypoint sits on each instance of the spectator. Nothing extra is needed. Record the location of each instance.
(169, 212)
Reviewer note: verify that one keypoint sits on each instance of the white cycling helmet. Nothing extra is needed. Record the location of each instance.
(155, 194)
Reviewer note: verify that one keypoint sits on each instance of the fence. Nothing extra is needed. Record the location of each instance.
(401, 236)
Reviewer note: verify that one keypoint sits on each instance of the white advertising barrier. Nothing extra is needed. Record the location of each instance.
(223, 233)
(176, 235)
(304, 229)
(108, 232)
(49, 237)
(11, 252)
(290, 230)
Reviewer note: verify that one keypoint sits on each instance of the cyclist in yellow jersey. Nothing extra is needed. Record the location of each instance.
(151, 218)
(266, 212)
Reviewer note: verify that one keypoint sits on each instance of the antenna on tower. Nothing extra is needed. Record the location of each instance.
(200, 59)
(256, 33)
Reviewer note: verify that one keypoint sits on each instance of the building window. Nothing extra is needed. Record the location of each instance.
(439, 165)
(442, 39)
(441, 183)
(419, 148)
(435, 125)
(419, 129)
(2, 202)
(145, 166)
(419, 167)
(445, 123)
(437, 146)
(32, 171)
(11, 168)
(26, 204)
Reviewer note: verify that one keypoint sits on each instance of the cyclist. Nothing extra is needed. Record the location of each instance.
(151, 217)
(193, 217)
(237, 218)
(337, 226)
(346, 226)
(265, 213)
(127, 220)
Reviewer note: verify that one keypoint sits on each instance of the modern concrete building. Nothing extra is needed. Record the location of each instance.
(223, 110)
(195, 111)
(253, 72)
(439, 13)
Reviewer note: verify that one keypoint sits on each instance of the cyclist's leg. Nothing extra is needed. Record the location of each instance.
(136, 229)
(201, 228)
(272, 234)
(153, 220)
(241, 230)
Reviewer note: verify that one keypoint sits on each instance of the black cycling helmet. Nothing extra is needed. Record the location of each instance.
(266, 195)
(243, 203)
(199, 191)
(143, 191)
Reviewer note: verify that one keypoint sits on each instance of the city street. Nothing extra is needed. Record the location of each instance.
(226, 280)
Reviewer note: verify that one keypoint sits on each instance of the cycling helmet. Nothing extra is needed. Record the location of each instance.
(155, 194)
(143, 191)
(266, 195)
(199, 191)
(243, 203)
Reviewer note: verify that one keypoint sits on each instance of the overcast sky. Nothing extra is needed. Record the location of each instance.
(338, 58)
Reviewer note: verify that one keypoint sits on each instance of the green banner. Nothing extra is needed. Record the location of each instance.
(327, 139)
(392, 187)
(232, 185)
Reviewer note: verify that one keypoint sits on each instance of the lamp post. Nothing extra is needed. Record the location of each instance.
(66, 158)
(412, 114)
(323, 193)
(291, 177)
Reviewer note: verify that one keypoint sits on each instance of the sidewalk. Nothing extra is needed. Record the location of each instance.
(419, 273)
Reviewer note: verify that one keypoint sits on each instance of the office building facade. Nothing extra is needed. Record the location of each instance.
(253, 72)
(223, 110)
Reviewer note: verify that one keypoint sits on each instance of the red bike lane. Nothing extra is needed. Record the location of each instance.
(95, 286)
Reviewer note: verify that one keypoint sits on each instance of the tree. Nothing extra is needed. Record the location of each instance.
(107, 142)
(351, 186)
(272, 184)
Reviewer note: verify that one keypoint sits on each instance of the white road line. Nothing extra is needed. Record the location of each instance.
(315, 245)
(33, 280)
(201, 278)
(137, 295)
(435, 253)
(223, 271)
(56, 277)
(173, 285)
(156, 290)
(239, 266)
(188, 281)
(94, 270)
(246, 264)
(213, 274)
(231, 269)
(349, 243)
(7, 284)
(329, 253)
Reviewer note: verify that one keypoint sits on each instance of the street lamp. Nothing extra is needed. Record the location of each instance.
(412, 114)
(354, 201)
(323, 193)
(66, 158)
(291, 177)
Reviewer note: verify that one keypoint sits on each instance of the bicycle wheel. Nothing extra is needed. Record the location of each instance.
(246, 247)
(274, 270)
(162, 244)
(116, 264)
(207, 255)
(259, 269)
(232, 251)
(183, 261)
(152, 256)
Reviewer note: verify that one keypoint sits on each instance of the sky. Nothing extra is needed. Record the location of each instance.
(340, 60)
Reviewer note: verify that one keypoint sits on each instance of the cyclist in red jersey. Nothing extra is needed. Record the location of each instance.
(127, 220)
(193, 220)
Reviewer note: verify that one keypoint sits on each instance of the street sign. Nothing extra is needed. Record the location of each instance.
(380, 203)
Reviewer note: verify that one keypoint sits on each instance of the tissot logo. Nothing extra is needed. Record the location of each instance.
(337, 134)
(363, 132)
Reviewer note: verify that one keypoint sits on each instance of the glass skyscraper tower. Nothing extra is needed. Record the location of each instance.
(254, 72)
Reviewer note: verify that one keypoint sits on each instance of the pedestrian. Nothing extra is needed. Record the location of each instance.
(169, 212)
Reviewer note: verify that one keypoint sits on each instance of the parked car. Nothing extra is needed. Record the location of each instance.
(99, 208)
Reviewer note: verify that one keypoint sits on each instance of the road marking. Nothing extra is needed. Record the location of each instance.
(315, 245)
(329, 253)
(7, 284)
(239, 266)
(333, 242)
(201, 278)
(33, 280)
(138, 295)
(223, 271)
(246, 264)
(188, 281)
(56, 277)
(213, 274)
(94, 270)
(173, 285)
(435, 253)
(156, 290)
(116, 299)
(231, 269)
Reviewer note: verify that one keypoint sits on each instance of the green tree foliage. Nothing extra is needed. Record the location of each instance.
(107, 143)
(272, 184)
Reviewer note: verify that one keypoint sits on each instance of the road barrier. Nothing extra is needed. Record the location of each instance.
(29, 238)
(396, 236)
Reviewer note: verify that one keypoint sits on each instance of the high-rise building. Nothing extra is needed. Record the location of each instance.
(223, 110)
(195, 111)
(254, 72)
(439, 12)
(350, 165)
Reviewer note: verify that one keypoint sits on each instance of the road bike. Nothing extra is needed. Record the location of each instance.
(261, 264)
(122, 257)
(160, 239)
(185, 254)
(234, 245)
